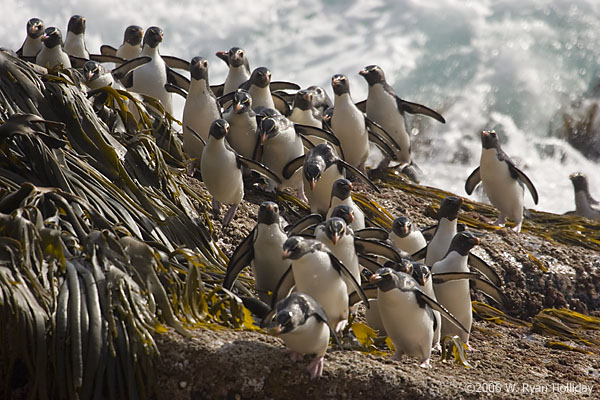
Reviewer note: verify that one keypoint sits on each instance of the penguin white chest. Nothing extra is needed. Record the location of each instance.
(242, 133)
(75, 45)
(312, 337)
(128, 52)
(281, 149)
(199, 112)
(150, 79)
(261, 97)
(438, 247)
(411, 243)
(504, 192)
(348, 124)
(235, 77)
(268, 266)
(320, 197)
(409, 326)
(383, 109)
(221, 175)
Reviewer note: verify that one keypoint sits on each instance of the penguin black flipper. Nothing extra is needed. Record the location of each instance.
(369, 263)
(196, 135)
(217, 89)
(414, 108)
(485, 269)
(479, 283)
(284, 286)
(370, 290)
(281, 104)
(372, 233)
(317, 132)
(520, 175)
(177, 63)
(419, 254)
(303, 224)
(105, 58)
(382, 144)
(282, 85)
(362, 105)
(226, 98)
(358, 173)
(77, 62)
(292, 166)
(422, 297)
(472, 181)
(175, 78)
(258, 167)
(256, 306)
(379, 130)
(108, 50)
(176, 89)
(241, 257)
(366, 246)
(341, 268)
(306, 141)
(128, 66)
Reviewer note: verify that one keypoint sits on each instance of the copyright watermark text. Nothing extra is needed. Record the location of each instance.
(528, 388)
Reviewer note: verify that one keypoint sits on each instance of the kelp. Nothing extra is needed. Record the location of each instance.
(567, 324)
(101, 244)
(453, 348)
(566, 229)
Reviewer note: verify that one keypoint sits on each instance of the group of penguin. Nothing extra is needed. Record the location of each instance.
(309, 273)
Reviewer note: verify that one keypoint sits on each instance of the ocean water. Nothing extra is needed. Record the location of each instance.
(513, 66)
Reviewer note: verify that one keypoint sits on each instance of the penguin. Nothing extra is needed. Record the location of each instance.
(352, 128)
(348, 124)
(221, 170)
(132, 43)
(446, 230)
(502, 181)
(33, 41)
(239, 68)
(282, 142)
(200, 110)
(585, 205)
(96, 76)
(384, 107)
(51, 55)
(304, 328)
(317, 272)
(303, 111)
(405, 236)
(262, 249)
(150, 79)
(422, 274)
(407, 314)
(320, 99)
(455, 295)
(75, 39)
(341, 194)
(321, 167)
(339, 238)
(243, 126)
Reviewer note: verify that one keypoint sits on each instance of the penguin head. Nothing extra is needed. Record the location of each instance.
(76, 24)
(133, 35)
(344, 212)
(52, 37)
(236, 57)
(91, 70)
(373, 74)
(579, 181)
(269, 128)
(320, 99)
(242, 101)
(296, 246)
(199, 68)
(219, 129)
(449, 208)
(35, 28)
(293, 311)
(421, 273)
(335, 228)
(463, 242)
(268, 213)
(313, 168)
(404, 265)
(489, 139)
(261, 77)
(385, 278)
(340, 84)
(341, 188)
(153, 37)
(402, 226)
(303, 99)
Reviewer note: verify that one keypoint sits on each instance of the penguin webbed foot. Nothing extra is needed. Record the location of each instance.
(316, 367)
(294, 355)
(230, 213)
(425, 364)
(437, 347)
(501, 221)
(341, 325)
(397, 356)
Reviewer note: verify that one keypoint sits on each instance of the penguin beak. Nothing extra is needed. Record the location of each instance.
(363, 72)
(238, 107)
(313, 182)
(263, 138)
(285, 254)
(336, 238)
(351, 217)
(277, 330)
(375, 278)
